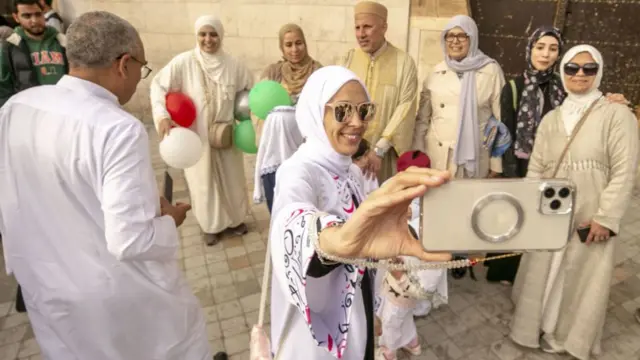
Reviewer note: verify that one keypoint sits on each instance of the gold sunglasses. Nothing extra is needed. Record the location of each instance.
(343, 110)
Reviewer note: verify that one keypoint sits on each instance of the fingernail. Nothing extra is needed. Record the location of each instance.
(436, 178)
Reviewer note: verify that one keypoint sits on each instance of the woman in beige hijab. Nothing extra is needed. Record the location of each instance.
(296, 65)
(281, 136)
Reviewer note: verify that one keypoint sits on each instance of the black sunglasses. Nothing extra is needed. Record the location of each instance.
(343, 111)
(589, 69)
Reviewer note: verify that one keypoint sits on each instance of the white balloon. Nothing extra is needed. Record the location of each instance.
(181, 149)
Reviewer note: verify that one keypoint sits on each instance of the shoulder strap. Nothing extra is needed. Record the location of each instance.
(573, 136)
(205, 81)
(514, 92)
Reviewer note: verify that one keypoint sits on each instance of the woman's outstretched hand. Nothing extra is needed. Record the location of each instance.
(378, 228)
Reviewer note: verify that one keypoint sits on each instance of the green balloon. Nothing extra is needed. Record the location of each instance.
(244, 137)
(266, 95)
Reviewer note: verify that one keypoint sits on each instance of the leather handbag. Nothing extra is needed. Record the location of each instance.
(220, 135)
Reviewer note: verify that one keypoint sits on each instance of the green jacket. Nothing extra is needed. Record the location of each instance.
(25, 62)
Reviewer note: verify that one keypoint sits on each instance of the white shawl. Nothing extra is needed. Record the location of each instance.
(212, 64)
(280, 139)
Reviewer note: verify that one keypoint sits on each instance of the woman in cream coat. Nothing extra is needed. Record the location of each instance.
(456, 102)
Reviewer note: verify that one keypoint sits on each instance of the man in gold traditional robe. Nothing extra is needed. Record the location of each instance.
(391, 77)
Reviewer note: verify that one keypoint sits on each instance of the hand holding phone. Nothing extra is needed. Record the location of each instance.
(177, 212)
(594, 232)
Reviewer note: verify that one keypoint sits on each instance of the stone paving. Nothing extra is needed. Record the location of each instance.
(227, 277)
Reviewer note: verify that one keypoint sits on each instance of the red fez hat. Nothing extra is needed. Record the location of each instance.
(413, 158)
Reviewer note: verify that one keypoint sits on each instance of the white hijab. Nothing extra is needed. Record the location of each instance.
(336, 179)
(280, 139)
(212, 64)
(576, 104)
(321, 86)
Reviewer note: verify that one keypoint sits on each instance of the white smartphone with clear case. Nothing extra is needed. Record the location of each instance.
(497, 215)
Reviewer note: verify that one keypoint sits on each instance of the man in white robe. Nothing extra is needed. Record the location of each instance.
(80, 212)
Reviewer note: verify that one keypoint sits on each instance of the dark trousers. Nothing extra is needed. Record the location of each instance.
(269, 183)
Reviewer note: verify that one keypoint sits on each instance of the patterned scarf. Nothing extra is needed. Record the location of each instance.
(532, 100)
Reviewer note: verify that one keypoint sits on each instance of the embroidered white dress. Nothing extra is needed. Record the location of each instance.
(315, 318)
(332, 305)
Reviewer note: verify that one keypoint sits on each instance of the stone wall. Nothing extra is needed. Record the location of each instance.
(251, 28)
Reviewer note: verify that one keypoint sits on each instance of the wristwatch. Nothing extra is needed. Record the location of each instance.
(379, 152)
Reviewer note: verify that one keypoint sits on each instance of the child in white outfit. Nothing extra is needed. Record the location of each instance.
(401, 295)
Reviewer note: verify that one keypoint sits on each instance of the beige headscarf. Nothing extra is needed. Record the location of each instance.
(296, 75)
(212, 64)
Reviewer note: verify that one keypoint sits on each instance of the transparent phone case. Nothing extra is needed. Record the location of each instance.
(497, 215)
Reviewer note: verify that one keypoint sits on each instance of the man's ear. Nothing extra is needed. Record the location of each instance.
(122, 65)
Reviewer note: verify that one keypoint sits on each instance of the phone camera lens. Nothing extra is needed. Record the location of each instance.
(549, 193)
(555, 205)
(564, 192)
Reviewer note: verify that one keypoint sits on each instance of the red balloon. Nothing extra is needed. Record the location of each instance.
(181, 108)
